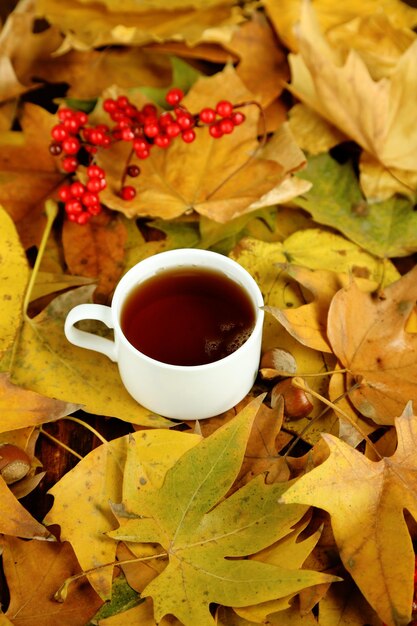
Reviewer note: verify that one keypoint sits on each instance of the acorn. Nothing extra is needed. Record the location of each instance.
(277, 362)
(297, 402)
(14, 463)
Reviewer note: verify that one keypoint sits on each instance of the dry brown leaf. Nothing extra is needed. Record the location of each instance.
(97, 251)
(220, 179)
(346, 95)
(28, 172)
(32, 587)
(15, 520)
(263, 65)
(367, 334)
(91, 25)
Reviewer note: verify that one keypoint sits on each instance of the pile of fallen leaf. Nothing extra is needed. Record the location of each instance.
(262, 515)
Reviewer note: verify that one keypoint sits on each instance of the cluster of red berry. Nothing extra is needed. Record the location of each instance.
(76, 142)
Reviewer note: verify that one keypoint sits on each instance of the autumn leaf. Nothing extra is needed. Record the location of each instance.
(198, 538)
(14, 274)
(46, 363)
(93, 484)
(379, 354)
(347, 96)
(286, 16)
(28, 172)
(366, 501)
(225, 178)
(89, 26)
(15, 520)
(98, 251)
(20, 407)
(32, 589)
(386, 229)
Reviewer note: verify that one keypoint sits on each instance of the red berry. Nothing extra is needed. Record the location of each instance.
(127, 192)
(226, 125)
(96, 136)
(133, 171)
(65, 113)
(185, 121)
(149, 110)
(127, 134)
(59, 133)
(73, 206)
(142, 154)
(174, 96)
(90, 199)
(69, 164)
(83, 218)
(71, 145)
(94, 184)
(81, 117)
(215, 131)
(95, 209)
(140, 144)
(77, 189)
(55, 149)
(94, 171)
(188, 135)
(122, 102)
(238, 118)
(165, 120)
(173, 129)
(151, 129)
(71, 124)
(224, 108)
(64, 193)
(162, 141)
(109, 105)
(207, 115)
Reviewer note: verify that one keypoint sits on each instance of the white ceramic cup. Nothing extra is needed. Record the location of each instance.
(175, 391)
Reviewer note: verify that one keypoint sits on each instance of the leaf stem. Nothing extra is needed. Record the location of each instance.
(299, 383)
(51, 209)
(60, 443)
(61, 594)
(87, 426)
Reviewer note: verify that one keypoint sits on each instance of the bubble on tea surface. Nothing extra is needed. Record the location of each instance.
(211, 345)
(227, 326)
(238, 341)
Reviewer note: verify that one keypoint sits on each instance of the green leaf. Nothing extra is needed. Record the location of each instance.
(386, 229)
(123, 598)
(206, 535)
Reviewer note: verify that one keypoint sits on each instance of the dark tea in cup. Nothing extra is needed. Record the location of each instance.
(188, 316)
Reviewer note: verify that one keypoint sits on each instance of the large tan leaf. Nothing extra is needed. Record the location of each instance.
(34, 570)
(346, 95)
(218, 178)
(14, 273)
(378, 352)
(96, 482)
(366, 501)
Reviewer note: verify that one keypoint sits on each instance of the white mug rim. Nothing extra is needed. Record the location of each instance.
(119, 298)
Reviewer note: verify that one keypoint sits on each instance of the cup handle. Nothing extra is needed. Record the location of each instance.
(87, 340)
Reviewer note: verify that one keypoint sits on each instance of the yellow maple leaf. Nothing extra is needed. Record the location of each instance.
(366, 501)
